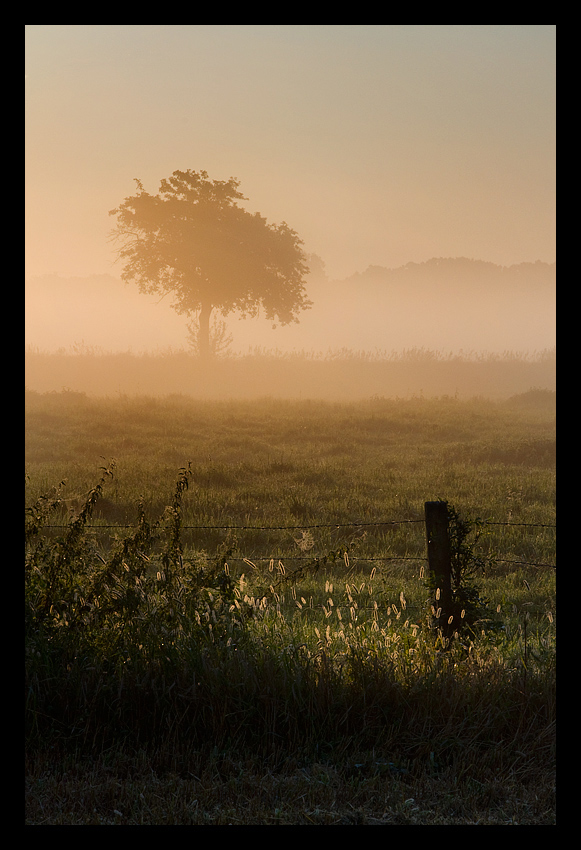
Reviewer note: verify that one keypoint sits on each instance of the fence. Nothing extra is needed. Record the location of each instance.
(432, 514)
(437, 540)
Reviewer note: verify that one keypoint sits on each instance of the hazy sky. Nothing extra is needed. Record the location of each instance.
(378, 144)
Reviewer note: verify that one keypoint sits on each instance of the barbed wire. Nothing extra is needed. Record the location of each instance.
(372, 559)
(527, 563)
(351, 525)
(527, 524)
(291, 557)
(302, 526)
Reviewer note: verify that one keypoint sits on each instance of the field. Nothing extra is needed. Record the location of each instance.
(337, 375)
(234, 624)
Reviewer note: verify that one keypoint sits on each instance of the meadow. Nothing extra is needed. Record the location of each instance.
(229, 618)
(339, 374)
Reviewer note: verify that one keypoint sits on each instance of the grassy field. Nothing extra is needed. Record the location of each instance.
(343, 374)
(234, 625)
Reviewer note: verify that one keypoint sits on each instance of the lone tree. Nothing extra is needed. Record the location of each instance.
(194, 241)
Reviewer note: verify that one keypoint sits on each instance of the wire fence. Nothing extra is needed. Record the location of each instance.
(334, 526)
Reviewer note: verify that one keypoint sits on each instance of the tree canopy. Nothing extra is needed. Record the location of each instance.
(193, 240)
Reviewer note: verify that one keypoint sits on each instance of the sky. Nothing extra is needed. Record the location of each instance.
(378, 144)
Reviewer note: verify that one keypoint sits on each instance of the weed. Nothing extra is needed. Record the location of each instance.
(471, 612)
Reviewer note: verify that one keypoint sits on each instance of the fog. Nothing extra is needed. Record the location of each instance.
(445, 305)
(417, 162)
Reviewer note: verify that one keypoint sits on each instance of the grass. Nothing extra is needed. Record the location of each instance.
(346, 375)
(290, 675)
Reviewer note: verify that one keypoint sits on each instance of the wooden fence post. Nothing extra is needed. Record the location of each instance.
(440, 563)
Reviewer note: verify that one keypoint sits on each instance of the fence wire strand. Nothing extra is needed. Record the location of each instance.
(303, 526)
(375, 524)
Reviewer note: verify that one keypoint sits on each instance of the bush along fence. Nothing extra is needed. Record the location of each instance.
(69, 582)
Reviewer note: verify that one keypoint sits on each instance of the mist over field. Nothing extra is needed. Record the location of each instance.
(446, 305)
(447, 326)
(414, 163)
(411, 166)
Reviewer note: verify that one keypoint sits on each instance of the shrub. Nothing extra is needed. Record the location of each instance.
(470, 610)
(136, 604)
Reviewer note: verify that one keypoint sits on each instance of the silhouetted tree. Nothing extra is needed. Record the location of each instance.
(194, 241)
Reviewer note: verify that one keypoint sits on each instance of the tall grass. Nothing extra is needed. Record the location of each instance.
(199, 651)
(152, 648)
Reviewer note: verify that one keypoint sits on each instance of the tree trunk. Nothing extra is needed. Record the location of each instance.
(204, 332)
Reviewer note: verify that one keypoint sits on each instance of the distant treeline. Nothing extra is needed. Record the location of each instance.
(464, 270)
(343, 375)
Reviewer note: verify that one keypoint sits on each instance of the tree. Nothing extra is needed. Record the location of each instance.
(194, 241)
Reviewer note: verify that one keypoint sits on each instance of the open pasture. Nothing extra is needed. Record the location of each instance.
(326, 682)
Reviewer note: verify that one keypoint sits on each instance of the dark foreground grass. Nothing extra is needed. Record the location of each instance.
(247, 792)
(465, 749)
(300, 788)
(258, 736)
(180, 696)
